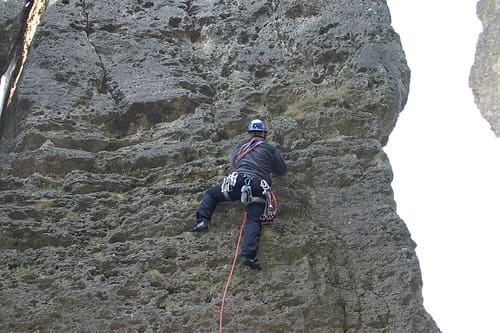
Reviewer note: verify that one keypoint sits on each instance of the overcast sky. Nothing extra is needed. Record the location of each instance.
(446, 163)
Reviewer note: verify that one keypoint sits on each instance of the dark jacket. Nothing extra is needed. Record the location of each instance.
(260, 162)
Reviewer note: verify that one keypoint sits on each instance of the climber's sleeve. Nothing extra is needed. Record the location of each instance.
(279, 164)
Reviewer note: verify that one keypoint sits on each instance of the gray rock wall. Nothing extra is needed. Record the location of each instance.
(126, 114)
(12, 17)
(485, 74)
(10, 30)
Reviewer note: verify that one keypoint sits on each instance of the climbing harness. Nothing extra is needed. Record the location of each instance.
(247, 147)
(269, 199)
(226, 288)
(228, 184)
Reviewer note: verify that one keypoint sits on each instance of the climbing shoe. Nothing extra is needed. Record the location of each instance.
(252, 263)
(201, 226)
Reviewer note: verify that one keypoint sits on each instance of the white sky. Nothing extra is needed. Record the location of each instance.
(446, 163)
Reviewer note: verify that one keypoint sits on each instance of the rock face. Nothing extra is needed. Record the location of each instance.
(127, 112)
(10, 30)
(485, 74)
(12, 17)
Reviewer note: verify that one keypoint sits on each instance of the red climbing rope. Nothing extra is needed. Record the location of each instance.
(232, 270)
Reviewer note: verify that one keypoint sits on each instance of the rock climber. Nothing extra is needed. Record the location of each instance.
(254, 160)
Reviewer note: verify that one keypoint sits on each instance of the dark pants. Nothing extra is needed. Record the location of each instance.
(253, 226)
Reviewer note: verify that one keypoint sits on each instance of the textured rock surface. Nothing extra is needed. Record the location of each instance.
(485, 73)
(12, 17)
(127, 112)
(10, 29)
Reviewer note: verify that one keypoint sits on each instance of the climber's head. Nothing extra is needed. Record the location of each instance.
(257, 128)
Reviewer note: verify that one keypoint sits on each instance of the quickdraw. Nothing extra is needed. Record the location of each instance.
(228, 184)
(271, 203)
(246, 191)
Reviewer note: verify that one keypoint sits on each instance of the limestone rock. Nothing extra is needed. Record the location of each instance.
(127, 112)
(485, 73)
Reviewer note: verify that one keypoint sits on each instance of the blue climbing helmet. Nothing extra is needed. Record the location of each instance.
(257, 125)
